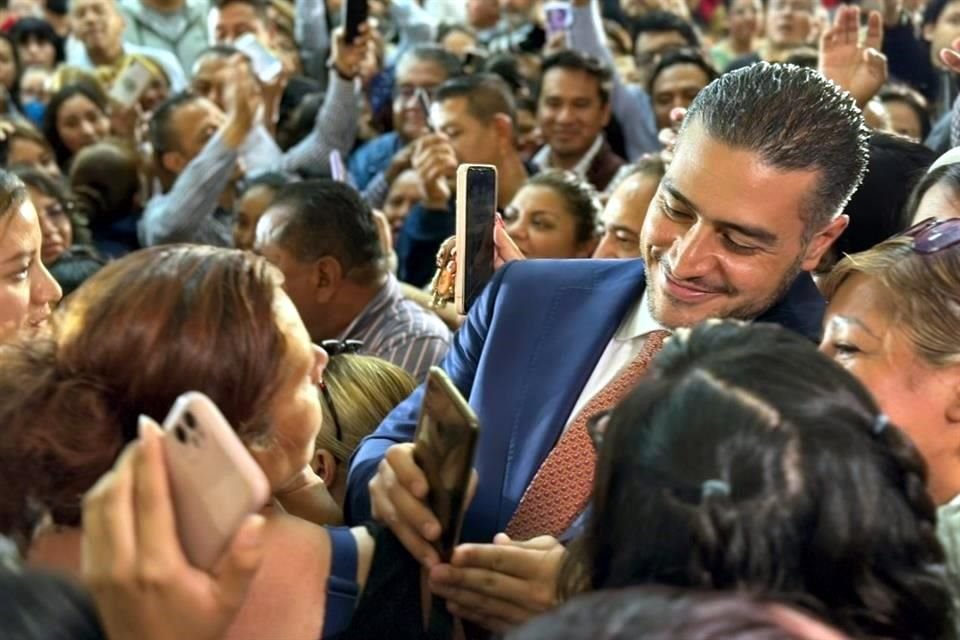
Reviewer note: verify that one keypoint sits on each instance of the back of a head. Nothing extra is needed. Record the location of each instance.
(486, 94)
(364, 389)
(750, 460)
(877, 210)
(661, 614)
(105, 181)
(328, 218)
(794, 120)
(143, 330)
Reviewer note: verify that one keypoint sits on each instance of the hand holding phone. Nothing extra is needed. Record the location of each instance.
(130, 84)
(214, 481)
(476, 217)
(355, 13)
(444, 447)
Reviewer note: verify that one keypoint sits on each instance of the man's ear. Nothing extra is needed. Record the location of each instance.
(326, 467)
(822, 242)
(953, 404)
(327, 278)
(503, 126)
(173, 161)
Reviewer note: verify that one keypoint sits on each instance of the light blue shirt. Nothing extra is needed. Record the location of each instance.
(77, 56)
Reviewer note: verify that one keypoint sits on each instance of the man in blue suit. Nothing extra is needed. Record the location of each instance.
(765, 162)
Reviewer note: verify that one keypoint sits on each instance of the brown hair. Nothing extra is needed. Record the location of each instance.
(139, 333)
(105, 179)
(12, 193)
(924, 290)
(363, 390)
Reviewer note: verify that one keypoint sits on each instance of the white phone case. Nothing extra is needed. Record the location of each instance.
(266, 66)
(131, 84)
(214, 481)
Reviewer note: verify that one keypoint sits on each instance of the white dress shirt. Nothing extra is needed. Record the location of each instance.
(621, 351)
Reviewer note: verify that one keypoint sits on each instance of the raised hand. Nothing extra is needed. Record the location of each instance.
(858, 67)
(435, 161)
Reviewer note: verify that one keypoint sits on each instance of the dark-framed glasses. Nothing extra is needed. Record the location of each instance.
(933, 235)
(336, 348)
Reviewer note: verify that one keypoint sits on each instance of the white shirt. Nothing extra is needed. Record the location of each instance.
(544, 157)
(77, 57)
(621, 350)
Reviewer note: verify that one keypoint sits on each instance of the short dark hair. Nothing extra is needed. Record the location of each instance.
(163, 135)
(743, 473)
(795, 120)
(87, 88)
(934, 9)
(877, 210)
(581, 199)
(573, 60)
(506, 66)
(913, 99)
(31, 28)
(434, 53)
(329, 218)
(260, 6)
(681, 56)
(660, 21)
(487, 95)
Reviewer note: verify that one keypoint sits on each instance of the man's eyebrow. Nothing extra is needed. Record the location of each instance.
(761, 235)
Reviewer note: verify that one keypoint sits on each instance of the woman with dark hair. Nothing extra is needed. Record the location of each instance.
(61, 225)
(908, 110)
(25, 146)
(76, 116)
(27, 291)
(751, 462)
(554, 215)
(38, 45)
(937, 194)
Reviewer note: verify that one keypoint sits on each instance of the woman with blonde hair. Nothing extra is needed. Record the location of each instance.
(357, 393)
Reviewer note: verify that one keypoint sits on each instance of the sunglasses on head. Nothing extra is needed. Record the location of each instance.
(336, 348)
(933, 235)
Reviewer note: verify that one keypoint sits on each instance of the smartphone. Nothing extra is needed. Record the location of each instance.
(355, 13)
(423, 99)
(444, 447)
(131, 83)
(558, 17)
(476, 216)
(214, 481)
(337, 169)
(266, 66)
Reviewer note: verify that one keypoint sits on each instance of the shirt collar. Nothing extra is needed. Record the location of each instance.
(384, 298)
(639, 322)
(543, 158)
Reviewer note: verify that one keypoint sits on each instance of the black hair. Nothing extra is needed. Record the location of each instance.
(913, 99)
(451, 64)
(42, 606)
(681, 56)
(877, 210)
(486, 94)
(53, 188)
(30, 28)
(947, 175)
(660, 21)
(505, 65)
(14, 91)
(747, 460)
(329, 218)
(794, 119)
(83, 87)
(581, 199)
(658, 613)
(933, 10)
(259, 6)
(163, 135)
(573, 60)
(74, 267)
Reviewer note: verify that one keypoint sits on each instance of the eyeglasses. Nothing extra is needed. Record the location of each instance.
(336, 348)
(932, 235)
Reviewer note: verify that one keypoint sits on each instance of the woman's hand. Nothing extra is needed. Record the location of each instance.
(143, 585)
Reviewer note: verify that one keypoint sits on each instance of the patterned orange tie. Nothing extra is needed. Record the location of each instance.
(562, 486)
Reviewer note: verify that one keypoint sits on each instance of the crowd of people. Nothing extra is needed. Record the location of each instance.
(716, 370)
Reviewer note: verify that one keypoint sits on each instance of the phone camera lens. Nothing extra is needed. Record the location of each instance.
(190, 420)
(181, 434)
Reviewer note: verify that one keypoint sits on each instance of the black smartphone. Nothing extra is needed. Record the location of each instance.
(476, 216)
(355, 13)
(444, 447)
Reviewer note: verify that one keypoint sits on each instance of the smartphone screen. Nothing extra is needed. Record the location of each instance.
(476, 212)
(354, 14)
(558, 17)
(131, 84)
(444, 447)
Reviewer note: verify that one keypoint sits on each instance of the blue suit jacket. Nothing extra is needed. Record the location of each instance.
(522, 358)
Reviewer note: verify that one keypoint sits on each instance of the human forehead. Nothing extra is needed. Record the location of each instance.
(686, 73)
(19, 230)
(452, 111)
(417, 71)
(570, 81)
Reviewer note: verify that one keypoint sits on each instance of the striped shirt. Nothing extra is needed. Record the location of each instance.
(400, 331)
